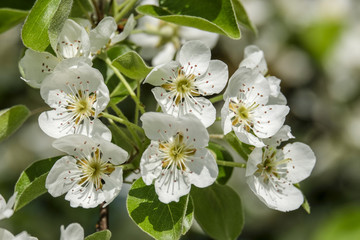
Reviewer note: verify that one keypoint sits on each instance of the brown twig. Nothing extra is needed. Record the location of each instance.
(103, 222)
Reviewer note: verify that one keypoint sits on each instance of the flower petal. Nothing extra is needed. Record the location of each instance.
(102, 33)
(129, 26)
(226, 118)
(290, 198)
(282, 135)
(35, 66)
(247, 137)
(112, 185)
(5, 234)
(195, 54)
(276, 97)
(150, 163)
(203, 167)
(160, 74)
(165, 55)
(73, 41)
(172, 185)
(302, 161)
(255, 158)
(269, 119)
(73, 231)
(208, 38)
(159, 126)
(215, 78)
(254, 59)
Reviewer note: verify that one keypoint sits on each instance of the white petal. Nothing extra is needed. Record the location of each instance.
(208, 38)
(201, 107)
(160, 74)
(112, 186)
(203, 167)
(5, 234)
(111, 152)
(276, 97)
(290, 198)
(255, 158)
(86, 197)
(146, 40)
(254, 59)
(302, 161)
(72, 232)
(150, 163)
(129, 26)
(248, 138)
(165, 55)
(35, 66)
(282, 135)
(269, 119)
(171, 186)
(226, 118)
(195, 54)
(159, 126)
(24, 236)
(193, 130)
(101, 34)
(59, 178)
(6, 209)
(51, 125)
(215, 78)
(73, 41)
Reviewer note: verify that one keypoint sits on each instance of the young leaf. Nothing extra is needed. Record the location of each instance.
(222, 154)
(159, 220)
(11, 119)
(241, 148)
(10, 18)
(102, 235)
(131, 65)
(218, 210)
(58, 21)
(242, 16)
(214, 16)
(31, 183)
(35, 30)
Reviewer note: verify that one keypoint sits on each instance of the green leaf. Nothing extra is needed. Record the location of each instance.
(222, 154)
(132, 65)
(31, 183)
(35, 30)
(306, 206)
(214, 16)
(58, 21)
(159, 220)
(219, 211)
(242, 16)
(241, 148)
(81, 8)
(102, 235)
(18, 4)
(121, 139)
(10, 18)
(11, 119)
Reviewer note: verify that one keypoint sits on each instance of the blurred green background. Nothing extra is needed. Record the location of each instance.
(313, 46)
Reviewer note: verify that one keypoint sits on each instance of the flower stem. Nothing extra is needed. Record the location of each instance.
(126, 84)
(103, 222)
(230, 164)
(121, 120)
(128, 166)
(216, 136)
(126, 8)
(138, 92)
(218, 98)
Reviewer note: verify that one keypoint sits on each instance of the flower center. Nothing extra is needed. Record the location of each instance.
(93, 169)
(183, 85)
(176, 152)
(81, 106)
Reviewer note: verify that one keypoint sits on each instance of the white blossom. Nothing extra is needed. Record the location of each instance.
(89, 175)
(271, 174)
(247, 110)
(180, 84)
(176, 156)
(77, 93)
(73, 231)
(6, 235)
(6, 209)
(254, 59)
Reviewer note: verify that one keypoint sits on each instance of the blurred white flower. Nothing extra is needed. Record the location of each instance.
(271, 173)
(89, 174)
(176, 157)
(181, 83)
(6, 235)
(247, 110)
(6, 209)
(77, 93)
(73, 231)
